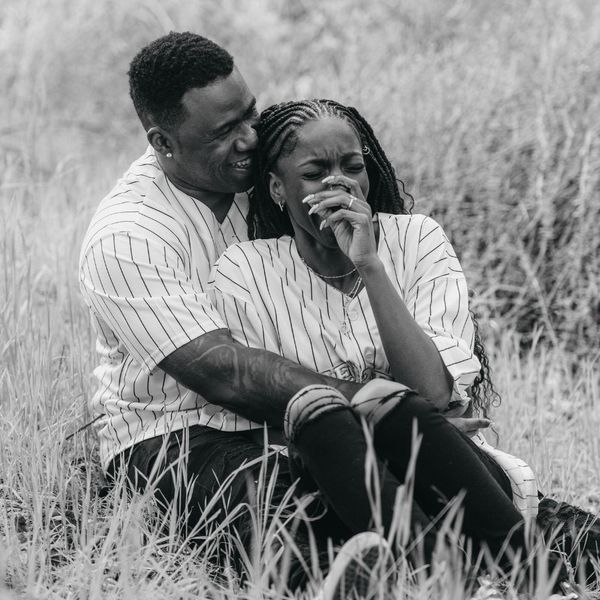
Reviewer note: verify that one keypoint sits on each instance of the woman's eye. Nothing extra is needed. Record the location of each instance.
(357, 168)
(313, 175)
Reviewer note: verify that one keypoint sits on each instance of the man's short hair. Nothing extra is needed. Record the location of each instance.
(164, 70)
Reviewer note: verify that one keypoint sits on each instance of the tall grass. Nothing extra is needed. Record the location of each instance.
(490, 114)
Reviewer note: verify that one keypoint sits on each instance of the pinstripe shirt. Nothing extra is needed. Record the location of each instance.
(270, 299)
(144, 269)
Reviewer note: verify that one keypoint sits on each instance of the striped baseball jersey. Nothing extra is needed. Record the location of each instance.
(144, 268)
(270, 299)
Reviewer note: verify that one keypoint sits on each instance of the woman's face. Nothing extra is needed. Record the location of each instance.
(328, 146)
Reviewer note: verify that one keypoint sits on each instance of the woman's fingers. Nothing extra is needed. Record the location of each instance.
(469, 425)
(339, 201)
(351, 185)
(355, 219)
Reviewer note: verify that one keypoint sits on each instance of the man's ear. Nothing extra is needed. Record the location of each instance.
(276, 189)
(160, 140)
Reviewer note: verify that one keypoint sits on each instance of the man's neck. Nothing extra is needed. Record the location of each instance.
(219, 203)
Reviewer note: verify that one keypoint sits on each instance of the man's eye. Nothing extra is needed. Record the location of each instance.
(224, 132)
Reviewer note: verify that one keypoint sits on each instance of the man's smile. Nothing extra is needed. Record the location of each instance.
(245, 163)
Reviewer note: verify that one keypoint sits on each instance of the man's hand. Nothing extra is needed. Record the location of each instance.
(469, 425)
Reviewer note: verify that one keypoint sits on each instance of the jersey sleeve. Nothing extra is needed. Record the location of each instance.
(231, 295)
(142, 289)
(438, 298)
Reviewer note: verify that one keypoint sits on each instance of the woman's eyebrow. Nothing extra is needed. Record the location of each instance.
(316, 160)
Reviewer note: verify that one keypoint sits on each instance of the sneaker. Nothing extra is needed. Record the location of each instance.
(487, 590)
(362, 570)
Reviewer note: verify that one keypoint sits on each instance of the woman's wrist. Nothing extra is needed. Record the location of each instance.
(369, 268)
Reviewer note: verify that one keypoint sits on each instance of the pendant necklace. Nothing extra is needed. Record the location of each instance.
(345, 327)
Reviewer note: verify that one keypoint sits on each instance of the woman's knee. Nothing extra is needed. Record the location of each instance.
(407, 408)
(310, 404)
(380, 398)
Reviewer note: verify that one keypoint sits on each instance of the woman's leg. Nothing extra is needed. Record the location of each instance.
(326, 437)
(447, 464)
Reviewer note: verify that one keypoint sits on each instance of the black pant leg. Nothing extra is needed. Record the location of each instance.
(449, 464)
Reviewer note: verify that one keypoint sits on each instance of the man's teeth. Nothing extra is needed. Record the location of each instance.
(243, 164)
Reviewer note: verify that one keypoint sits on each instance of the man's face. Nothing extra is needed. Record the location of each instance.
(214, 145)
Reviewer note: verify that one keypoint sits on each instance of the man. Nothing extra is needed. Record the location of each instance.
(170, 375)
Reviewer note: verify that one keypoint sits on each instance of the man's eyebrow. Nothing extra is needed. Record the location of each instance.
(232, 122)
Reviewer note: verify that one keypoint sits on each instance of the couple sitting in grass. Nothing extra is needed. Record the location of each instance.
(330, 307)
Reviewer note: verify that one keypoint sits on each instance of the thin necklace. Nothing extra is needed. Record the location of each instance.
(325, 276)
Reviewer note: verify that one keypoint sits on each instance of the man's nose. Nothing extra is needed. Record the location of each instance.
(248, 140)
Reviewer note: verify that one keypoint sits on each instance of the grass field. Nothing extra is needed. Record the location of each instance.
(490, 114)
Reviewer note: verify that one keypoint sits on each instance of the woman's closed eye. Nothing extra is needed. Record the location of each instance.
(355, 168)
(314, 175)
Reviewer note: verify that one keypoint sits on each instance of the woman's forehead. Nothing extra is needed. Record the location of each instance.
(326, 132)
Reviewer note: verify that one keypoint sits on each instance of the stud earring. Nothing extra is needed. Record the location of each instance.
(169, 155)
(366, 150)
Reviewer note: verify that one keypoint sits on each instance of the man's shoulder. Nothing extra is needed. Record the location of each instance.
(410, 229)
(139, 204)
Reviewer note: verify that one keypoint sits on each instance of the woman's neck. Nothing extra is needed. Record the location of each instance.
(327, 261)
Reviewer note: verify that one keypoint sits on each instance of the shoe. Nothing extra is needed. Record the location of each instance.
(487, 590)
(362, 570)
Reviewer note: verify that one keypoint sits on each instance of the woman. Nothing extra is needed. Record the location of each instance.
(350, 284)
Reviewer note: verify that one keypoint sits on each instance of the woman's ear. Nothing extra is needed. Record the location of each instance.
(276, 189)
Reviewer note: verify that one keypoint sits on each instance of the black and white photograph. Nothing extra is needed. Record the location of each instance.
(300, 300)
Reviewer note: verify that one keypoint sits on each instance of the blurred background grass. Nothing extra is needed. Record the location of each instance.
(490, 113)
(488, 110)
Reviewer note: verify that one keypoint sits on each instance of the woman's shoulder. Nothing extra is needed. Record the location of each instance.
(244, 254)
(409, 229)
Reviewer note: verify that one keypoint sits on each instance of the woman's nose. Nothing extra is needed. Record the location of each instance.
(338, 184)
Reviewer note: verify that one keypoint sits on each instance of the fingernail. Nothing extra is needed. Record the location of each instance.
(328, 178)
(313, 209)
(322, 225)
(308, 198)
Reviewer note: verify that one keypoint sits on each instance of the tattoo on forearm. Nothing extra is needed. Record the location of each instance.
(253, 383)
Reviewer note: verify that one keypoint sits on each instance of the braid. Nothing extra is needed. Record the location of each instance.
(482, 392)
(277, 134)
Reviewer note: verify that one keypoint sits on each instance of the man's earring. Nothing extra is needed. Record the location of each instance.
(169, 155)
(281, 205)
(366, 150)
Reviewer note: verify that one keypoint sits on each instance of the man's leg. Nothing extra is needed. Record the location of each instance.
(204, 471)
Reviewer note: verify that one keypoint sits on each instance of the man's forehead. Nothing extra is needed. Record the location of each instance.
(220, 99)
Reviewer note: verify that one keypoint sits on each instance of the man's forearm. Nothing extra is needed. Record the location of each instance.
(252, 383)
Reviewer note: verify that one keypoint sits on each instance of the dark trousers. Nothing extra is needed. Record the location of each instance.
(328, 450)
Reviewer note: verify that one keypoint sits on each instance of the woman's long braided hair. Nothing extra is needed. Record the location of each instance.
(277, 130)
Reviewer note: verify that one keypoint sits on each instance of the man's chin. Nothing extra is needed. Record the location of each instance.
(239, 184)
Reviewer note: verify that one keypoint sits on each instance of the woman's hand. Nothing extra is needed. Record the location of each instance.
(469, 425)
(344, 209)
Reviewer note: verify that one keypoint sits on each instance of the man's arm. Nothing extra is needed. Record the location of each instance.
(253, 383)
